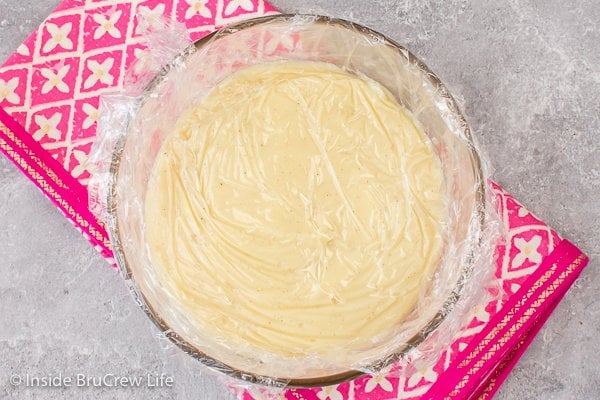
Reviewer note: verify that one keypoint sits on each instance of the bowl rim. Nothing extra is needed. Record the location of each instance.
(249, 377)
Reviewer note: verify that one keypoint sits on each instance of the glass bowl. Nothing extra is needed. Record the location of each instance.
(354, 48)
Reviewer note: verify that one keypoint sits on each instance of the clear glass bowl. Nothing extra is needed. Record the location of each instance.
(296, 37)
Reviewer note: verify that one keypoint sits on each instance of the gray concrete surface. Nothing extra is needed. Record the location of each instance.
(528, 74)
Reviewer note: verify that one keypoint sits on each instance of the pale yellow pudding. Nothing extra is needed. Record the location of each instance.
(296, 211)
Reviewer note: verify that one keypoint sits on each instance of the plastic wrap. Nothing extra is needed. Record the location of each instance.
(295, 200)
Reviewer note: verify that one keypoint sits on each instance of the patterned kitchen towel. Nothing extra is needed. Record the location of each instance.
(49, 91)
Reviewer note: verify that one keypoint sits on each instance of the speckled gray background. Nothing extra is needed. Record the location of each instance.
(527, 72)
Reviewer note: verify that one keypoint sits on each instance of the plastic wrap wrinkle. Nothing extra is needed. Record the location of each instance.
(291, 187)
